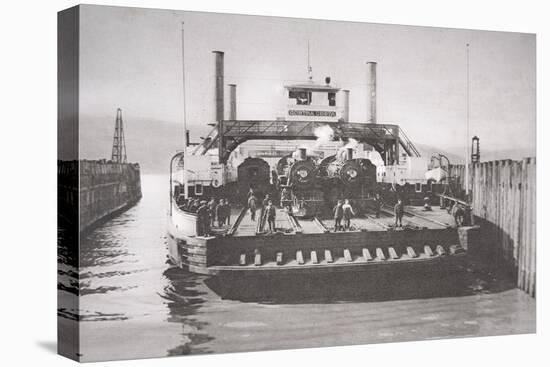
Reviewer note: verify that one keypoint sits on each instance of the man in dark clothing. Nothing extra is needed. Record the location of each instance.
(265, 203)
(271, 214)
(338, 214)
(194, 206)
(458, 214)
(286, 199)
(227, 212)
(180, 201)
(220, 213)
(252, 204)
(398, 210)
(377, 204)
(212, 210)
(203, 219)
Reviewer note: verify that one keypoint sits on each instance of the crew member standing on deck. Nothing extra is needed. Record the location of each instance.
(206, 219)
(377, 204)
(194, 206)
(348, 214)
(338, 215)
(398, 210)
(286, 199)
(266, 200)
(227, 212)
(265, 203)
(202, 219)
(458, 214)
(271, 214)
(212, 211)
(220, 212)
(252, 204)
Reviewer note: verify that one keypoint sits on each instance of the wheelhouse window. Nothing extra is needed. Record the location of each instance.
(301, 97)
(198, 189)
(332, 99)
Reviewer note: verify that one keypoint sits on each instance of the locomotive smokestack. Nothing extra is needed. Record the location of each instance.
(232, 102)
(371, 92)
(349, 154)
(302, 154)
(345, 113)
(218, 64)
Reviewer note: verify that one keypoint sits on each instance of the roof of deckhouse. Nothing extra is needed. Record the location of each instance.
(312, 87)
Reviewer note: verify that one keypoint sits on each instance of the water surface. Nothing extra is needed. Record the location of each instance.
(134, 304)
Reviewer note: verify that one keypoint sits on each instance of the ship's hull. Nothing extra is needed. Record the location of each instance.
(261, 255)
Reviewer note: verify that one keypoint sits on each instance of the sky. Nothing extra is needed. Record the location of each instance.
(132, 58)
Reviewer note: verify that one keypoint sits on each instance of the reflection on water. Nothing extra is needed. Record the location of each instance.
(363, 287)
(133, 304)
(184, 300)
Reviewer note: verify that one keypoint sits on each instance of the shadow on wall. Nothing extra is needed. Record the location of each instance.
(495, 243)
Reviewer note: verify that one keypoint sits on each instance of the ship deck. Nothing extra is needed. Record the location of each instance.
(427, 238)
(413, 218)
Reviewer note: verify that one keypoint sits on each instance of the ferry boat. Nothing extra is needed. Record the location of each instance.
(305, 183)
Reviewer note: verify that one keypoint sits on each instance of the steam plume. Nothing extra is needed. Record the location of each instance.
(324, 135)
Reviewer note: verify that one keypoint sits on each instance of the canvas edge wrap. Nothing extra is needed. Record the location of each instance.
(68, 330)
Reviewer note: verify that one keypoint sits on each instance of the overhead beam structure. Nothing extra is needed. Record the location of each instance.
(227, 135)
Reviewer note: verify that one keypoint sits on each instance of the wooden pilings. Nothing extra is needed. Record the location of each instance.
(504, 197)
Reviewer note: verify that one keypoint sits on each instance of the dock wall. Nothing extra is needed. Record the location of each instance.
(106, 188)
(89, 191)
(503, 196)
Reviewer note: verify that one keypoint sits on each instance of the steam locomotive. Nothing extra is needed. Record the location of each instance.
(309, 186)
(299, 184)
(347, 177)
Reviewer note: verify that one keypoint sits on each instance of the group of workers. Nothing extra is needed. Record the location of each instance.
(344, 210)
(268, 209)
(208, 212)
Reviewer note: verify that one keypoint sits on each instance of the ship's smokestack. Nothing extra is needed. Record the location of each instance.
(302, 153)
(345, 113)
(349, 154)
(232, 102)
(219, 84)
(371, 92)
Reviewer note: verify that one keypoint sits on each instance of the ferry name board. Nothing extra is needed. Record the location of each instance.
(312, 113)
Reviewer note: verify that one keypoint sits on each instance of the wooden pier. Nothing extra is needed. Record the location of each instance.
(503, 200)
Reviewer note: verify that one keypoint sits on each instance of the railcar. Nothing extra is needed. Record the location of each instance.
(255, 174)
